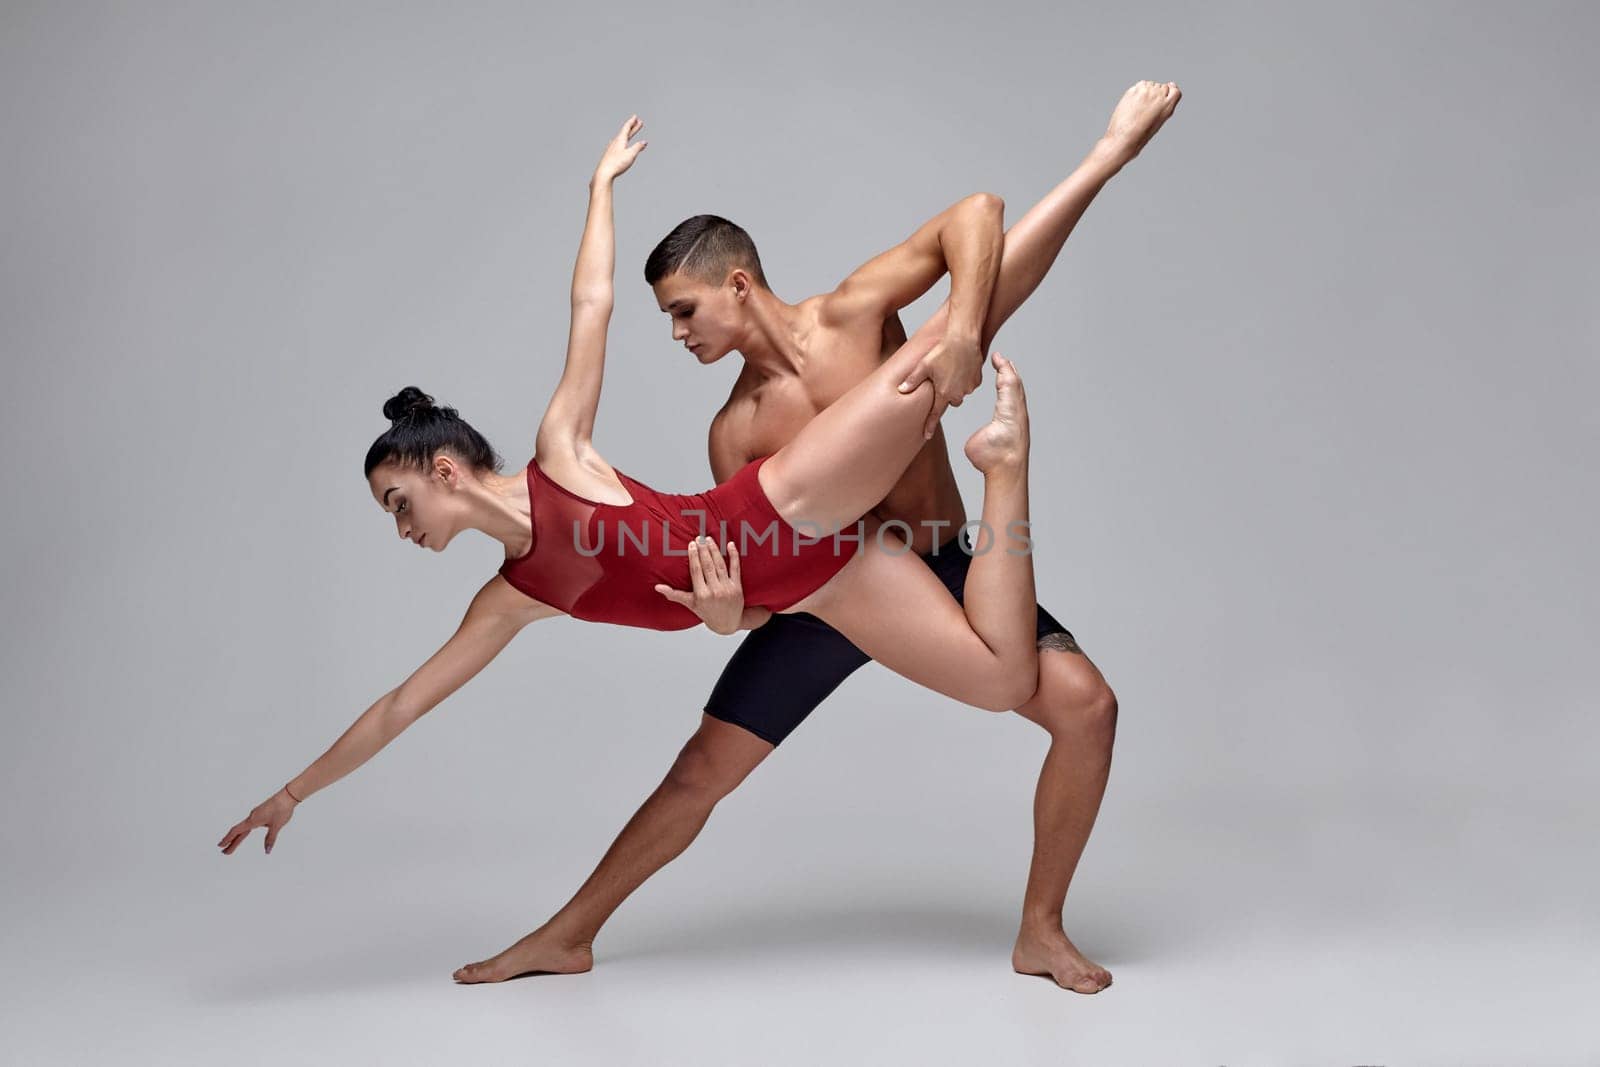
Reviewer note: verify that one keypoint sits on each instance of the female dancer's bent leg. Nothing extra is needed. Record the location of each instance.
(889, 603)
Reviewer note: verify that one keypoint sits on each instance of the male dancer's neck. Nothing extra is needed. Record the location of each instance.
(771, 342)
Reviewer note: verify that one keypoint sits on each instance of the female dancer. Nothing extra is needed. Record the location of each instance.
(581, 536)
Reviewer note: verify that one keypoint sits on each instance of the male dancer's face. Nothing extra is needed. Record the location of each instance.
(707, 319)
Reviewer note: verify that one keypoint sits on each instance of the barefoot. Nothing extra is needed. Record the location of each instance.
(1138, 115)
(1052, 955)
(540, 952)
(1004, 441)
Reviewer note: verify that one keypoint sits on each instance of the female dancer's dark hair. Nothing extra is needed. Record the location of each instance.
(418, 430)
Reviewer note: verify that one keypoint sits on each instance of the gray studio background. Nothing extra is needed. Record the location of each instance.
(1313, 389)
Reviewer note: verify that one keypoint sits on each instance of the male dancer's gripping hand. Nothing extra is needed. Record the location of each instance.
(955, 367)
(717, 595)
(966, 240)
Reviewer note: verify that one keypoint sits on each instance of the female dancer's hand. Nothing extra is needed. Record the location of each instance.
(619, 154)
(718, 594)
(273, 813)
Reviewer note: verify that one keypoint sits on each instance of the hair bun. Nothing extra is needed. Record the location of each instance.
(408, 402)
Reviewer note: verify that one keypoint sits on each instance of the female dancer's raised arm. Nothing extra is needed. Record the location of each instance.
(498, 611)
(568, 424)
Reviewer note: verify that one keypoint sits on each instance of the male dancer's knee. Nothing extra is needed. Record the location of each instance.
(707, 769)
(1073, 701)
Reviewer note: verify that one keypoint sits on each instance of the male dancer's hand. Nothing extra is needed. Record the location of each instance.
(718, 594)
(955, 367)
(273, 813)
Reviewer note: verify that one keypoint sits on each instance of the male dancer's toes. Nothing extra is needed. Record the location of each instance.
(1140, 113)
(541, 952)
(1051, 954)
(1004, 441)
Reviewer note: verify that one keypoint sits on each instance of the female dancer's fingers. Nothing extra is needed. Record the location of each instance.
(236, 835)
(272, 835)
(733, 564)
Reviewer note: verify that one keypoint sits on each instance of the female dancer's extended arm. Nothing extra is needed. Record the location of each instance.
(494, 617)
(568, 423)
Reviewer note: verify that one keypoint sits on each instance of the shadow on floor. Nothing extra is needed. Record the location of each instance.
(426, 952)
(933, 929)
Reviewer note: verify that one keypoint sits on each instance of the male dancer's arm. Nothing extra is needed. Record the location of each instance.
(965, 239)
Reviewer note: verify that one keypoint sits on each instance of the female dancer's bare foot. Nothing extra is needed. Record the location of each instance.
(1004, 441)
(1050, 953)
(1138, 115)
(541, 952)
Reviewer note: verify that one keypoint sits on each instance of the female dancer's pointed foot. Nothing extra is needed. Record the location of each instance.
(1003, 443)
(1139, 114)
(541, 952)
(1051, 954)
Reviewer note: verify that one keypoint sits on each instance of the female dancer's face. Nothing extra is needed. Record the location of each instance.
(706, 319)
(421, 504)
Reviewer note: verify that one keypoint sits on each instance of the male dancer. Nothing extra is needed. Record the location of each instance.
(799, 358)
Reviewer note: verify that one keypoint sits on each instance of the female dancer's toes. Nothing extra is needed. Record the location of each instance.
(538, 953)
(1004, 441)
(1139, 114)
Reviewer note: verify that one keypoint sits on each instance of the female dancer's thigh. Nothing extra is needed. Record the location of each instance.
(847, 458)
(896, 610)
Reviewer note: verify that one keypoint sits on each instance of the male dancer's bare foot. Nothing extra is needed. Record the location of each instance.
(1050, 953)
(541, 952)
(1138, 115)
(1004, 441)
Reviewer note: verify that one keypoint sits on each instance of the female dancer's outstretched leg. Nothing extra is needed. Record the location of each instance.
(888, 602)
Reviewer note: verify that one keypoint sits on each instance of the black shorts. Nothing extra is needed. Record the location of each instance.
(785, 668)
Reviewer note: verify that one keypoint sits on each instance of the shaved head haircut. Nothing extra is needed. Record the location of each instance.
(705, 247)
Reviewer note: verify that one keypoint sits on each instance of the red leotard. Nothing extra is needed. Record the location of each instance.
(602, 562)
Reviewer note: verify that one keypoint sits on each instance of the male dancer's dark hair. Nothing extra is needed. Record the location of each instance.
(705, 247)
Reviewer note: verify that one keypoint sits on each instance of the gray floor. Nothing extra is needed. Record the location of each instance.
(1242, 944)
